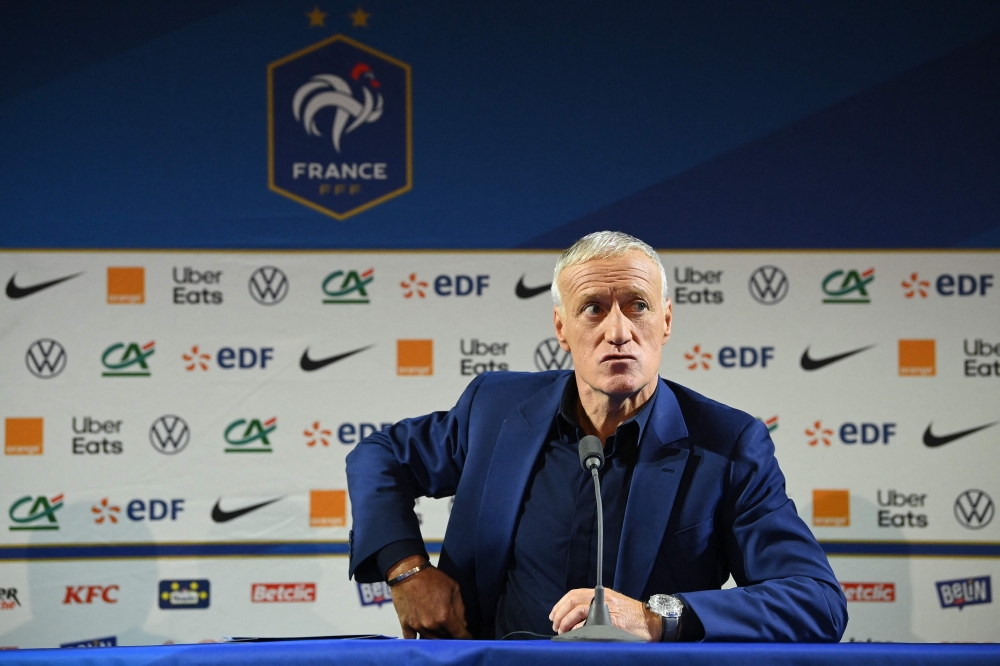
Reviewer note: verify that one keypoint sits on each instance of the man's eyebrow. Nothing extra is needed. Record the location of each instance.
(631, 292)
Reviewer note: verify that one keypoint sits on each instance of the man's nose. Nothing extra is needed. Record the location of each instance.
(618, 328)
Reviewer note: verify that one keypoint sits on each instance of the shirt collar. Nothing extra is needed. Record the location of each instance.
(568, 424)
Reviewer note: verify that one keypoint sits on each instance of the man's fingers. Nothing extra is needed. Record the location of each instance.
(456, 628)
(407, 632)
(573, 618)
(570, 600)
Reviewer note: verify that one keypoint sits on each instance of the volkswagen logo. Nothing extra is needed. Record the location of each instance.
(768, 285)
(550, 356)
(268, 285)
(46, 358)
(169, 434)
(974, 509)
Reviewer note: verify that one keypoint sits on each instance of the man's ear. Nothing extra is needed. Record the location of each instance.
(557, 321)
(668, 314)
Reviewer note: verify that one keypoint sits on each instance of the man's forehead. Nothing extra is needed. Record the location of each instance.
(631, 272)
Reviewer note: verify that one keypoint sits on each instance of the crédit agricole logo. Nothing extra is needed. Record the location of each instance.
(339, 130)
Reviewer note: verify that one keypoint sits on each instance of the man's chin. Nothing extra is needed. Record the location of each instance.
(621, 386)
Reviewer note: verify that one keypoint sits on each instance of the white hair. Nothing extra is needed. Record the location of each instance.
(603, 245)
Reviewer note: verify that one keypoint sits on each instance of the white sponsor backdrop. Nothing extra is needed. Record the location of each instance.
(365, 388)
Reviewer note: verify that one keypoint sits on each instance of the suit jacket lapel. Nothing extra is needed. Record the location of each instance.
(651, 496)
(520, 441)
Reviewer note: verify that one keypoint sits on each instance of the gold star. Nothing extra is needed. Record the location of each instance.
(316, 17)
(360, 18)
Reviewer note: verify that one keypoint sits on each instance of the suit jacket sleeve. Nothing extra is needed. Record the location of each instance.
(787, 590)
(386, 471)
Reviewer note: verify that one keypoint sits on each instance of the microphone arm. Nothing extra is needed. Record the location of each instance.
(600, 614)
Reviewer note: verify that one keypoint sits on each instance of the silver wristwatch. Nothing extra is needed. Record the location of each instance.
(669, 608)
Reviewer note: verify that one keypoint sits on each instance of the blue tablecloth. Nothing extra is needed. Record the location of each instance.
(487, 653)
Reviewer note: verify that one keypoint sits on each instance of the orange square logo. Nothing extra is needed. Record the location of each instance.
(24, 436)
(917, 358)
(415, 357)
(126, 285)
(327, 508)
(831, 508)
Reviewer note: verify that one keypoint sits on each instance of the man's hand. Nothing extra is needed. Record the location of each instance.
(428, 603)
(628, 614)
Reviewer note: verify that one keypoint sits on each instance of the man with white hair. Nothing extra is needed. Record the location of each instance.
(691, 490)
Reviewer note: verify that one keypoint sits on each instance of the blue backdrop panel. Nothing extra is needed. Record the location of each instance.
(823, 124)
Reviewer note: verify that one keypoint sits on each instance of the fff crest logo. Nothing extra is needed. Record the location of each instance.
(339, 127)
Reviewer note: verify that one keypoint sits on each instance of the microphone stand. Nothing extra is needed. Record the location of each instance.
(598, 627)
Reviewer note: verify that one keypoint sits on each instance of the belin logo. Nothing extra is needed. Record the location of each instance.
(127, 360)
(347, 287)
(169, 434)
(849, 286)
(964, 592)
(268, 285)
(250, 435)
(45, 358)
(768, 285)
(35, 513)
(550, 356)
(339, 127)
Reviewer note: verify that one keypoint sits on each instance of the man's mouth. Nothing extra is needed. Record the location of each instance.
(613, 358)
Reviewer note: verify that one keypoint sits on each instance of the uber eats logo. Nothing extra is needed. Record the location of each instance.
(347, 287)
(35, 513)
(127, 359)
(848, 286)
(250, 435)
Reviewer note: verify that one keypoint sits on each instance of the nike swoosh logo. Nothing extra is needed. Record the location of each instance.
(220, 516)
(15, 292)
(932, 440)
(309, 364)
(530, 292)
(808, 363)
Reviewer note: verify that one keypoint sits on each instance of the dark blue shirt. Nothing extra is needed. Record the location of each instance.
(555, 540)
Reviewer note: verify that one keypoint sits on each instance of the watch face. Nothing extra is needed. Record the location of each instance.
(666, 605)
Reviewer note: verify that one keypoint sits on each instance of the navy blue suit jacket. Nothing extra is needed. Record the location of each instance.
(707, 500)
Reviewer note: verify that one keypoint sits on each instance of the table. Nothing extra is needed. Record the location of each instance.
(502, 653)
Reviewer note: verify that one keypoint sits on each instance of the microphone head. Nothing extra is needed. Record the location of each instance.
(591, 452)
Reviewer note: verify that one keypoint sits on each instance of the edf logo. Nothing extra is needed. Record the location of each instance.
(445, 285)
(244, 357)
(963, 284)
(852, 433)
(155, 510)
(730, 357)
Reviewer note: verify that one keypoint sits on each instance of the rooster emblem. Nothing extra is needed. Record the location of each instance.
(329, 90)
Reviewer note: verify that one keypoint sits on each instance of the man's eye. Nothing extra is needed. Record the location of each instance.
(642, 306)
(592, 308)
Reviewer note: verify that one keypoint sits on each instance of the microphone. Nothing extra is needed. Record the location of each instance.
(598, 627)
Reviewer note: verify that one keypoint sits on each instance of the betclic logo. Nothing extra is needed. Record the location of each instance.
(265, 593)
(871, 592)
